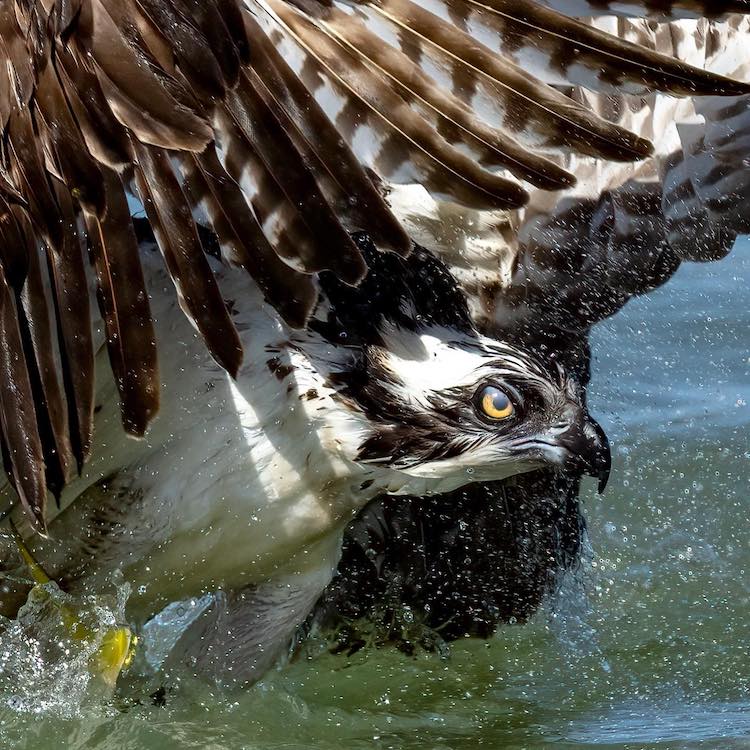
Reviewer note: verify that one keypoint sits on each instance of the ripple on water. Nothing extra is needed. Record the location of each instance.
(654, 723)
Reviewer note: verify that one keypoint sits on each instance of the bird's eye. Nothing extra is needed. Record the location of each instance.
(495, 403)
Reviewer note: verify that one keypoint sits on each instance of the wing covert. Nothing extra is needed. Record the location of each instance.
(270, 119)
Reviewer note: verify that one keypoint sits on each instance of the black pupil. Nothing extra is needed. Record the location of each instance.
(499, 400)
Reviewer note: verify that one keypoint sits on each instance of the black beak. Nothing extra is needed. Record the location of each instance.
(589, 450)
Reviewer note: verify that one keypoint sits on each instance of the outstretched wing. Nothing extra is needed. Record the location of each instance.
(630, 229)
(566, 260)
(262, 119)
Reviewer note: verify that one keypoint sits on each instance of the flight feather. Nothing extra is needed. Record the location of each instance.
(273, 127)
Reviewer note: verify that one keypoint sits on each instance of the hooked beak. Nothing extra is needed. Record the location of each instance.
(588, 447)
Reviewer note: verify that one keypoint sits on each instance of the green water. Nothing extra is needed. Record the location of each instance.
(654, 655)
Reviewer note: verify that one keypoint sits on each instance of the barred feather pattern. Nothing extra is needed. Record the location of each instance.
(275, 122)
(567, 260)
(657, 9)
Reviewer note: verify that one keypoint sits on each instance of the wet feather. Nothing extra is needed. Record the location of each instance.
(278, 123)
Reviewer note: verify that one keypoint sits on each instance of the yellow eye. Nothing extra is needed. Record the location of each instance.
(494, 403)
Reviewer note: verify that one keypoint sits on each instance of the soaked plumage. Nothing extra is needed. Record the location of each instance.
(246, 484)
(283, 356)
(541, 276)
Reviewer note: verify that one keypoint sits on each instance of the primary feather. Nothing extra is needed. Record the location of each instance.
(566, 260)
(273, 122)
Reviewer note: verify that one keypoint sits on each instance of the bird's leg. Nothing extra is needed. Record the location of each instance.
(245, 632)
(116, 645)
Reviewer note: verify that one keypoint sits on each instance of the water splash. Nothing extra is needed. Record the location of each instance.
(161, 632)
(45, 668)
(569, 613)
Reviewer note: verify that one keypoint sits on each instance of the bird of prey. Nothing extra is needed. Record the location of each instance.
(269, 352)
(542, 276)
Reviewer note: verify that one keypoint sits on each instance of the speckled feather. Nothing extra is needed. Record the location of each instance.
(567, 260)
(263, 118)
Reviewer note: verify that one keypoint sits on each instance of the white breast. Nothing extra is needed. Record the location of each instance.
(235, 481)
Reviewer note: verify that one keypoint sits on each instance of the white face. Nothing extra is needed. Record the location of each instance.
(452, 408)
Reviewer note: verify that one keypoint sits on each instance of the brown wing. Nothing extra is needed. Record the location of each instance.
(566, 260)
(265, 117)
(659, 9)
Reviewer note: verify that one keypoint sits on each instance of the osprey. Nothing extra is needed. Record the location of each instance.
(245, 485)
(417, 572)
(311, 360)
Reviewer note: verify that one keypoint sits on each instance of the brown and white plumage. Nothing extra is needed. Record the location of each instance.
(415, 570)
(567, 259)
(263, 120)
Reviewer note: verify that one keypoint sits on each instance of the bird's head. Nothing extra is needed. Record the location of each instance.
(441, 405)
(450, 409)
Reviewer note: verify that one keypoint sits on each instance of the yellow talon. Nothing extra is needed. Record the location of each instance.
(114, 654)
(37, 571)
(117, 647)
